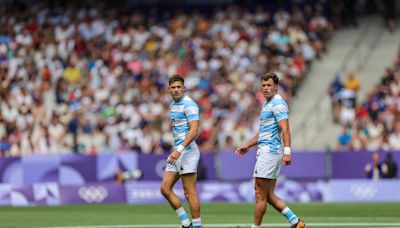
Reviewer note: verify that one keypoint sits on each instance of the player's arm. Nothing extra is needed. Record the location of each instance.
(281, 113)
(284, 126)
(191, 135)
(245, 147)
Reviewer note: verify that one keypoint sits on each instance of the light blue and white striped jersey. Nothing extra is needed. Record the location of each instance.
(183, 111)
(270, 134)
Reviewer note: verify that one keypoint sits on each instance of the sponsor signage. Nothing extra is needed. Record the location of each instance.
(362, 190)
(148, 192)
(145, 192)
(93, 194)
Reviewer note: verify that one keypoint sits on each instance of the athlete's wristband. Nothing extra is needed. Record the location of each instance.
(287, 151)
(180, 148)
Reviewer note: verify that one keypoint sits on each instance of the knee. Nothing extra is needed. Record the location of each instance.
(190, 194)
(260, 198)
(165, 191)
(187, 195)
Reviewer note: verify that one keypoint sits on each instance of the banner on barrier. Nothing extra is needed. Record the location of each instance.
(93, 194)
(82, 169)
(144, 192)
(362, 190)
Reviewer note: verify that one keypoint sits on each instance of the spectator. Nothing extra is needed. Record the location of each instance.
(352, 82)
(389, 167)
(347, 113)
(359, 138)
(334, 92)
(344, 139)
(375, 132)
(373, 170)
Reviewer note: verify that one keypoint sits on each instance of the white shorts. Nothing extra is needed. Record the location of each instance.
(268, 165)
(187, 162)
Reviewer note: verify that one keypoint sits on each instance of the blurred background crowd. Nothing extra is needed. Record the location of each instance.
(371, 123)
(90, 80)
(92, 77)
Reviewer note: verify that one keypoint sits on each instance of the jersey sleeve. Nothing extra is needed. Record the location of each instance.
(280, 111)
(192, 112)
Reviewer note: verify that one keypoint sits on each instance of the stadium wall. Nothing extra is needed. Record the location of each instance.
(224, 166)
(147, 192)
(79, 179)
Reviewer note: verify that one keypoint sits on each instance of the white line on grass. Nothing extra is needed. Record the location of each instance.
(386, 225)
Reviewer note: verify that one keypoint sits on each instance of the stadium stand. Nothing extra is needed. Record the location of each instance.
(374, 123)
(91, 80)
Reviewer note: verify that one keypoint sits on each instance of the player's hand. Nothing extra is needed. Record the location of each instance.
(286, 159)
(173, 157)
(241, 150)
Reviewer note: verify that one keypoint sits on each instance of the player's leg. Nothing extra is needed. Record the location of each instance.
(188, 171)
(266, 168)
(273, 199)
(189, 187)
(261, 201)
(168, 182)
(281, 206)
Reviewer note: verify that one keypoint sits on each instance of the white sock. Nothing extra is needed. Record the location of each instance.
(255, 226)
(183, 216)
(289, 215)
(196, 222)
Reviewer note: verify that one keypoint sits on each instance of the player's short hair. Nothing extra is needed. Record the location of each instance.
(272, 76)
(176, 78)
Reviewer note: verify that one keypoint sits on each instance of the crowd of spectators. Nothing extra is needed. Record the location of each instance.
(374, 123)
(377, 169)
(94, 79)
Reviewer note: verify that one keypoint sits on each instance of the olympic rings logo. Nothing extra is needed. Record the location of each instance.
(93, 194)
(364, 191)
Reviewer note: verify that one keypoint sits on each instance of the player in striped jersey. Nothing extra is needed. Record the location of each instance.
(271, 154)
(182, 162)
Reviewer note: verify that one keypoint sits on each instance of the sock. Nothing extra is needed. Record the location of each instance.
(183, 216)
(255, 226)
(293, 219)
(196, 222)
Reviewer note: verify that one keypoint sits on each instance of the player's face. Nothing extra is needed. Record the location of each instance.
(268, 88)
(176, 89)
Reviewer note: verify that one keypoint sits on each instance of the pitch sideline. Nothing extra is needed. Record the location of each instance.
(383, 225)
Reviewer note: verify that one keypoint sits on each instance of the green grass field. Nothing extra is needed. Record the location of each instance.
(213, 215)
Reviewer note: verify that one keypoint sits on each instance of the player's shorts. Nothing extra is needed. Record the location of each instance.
(187, 162)
(268, 165)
